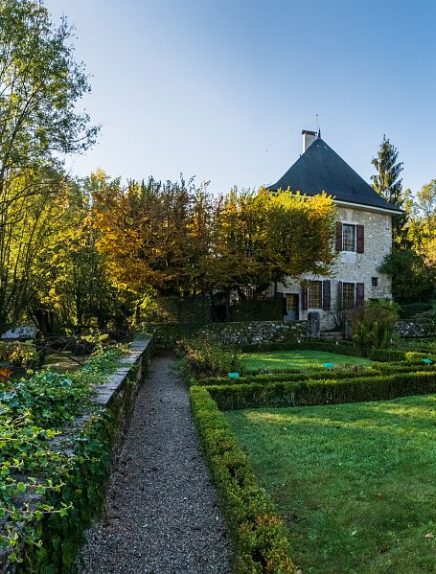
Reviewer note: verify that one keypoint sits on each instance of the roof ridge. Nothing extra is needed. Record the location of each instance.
(320, 168)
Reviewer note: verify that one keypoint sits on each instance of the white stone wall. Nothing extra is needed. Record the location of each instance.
(351, 267)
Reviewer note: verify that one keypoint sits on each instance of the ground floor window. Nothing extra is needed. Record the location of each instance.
(314, 295)
(348, 295)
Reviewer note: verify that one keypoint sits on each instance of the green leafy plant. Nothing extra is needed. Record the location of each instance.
(40, 479)
(18, 353)
(203, 357)
(373, 325)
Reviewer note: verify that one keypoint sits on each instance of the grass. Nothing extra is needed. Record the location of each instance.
(296, 359)
(355, 483)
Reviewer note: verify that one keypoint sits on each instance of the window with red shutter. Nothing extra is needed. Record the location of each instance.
(360, 239)
(326, 295)
(338, 236)
(360, 294)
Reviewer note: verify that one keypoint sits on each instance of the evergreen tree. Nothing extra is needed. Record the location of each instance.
(388, 183)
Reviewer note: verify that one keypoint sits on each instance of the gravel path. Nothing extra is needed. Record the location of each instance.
(162, 515)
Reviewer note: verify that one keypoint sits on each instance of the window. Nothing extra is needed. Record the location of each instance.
(314, 294)
(348, 295)
(348, 237)
(374, 281)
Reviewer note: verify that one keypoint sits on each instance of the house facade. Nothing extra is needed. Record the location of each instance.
(363, 236)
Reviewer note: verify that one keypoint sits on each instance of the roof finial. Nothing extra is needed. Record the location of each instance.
(318, 129)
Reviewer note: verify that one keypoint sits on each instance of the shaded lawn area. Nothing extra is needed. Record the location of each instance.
(355, 483)
(296, 359)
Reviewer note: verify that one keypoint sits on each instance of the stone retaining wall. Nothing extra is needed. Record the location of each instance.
(416, 328)
(258, 332)
(113, 402)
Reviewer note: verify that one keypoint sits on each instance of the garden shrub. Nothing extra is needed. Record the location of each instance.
(410, 310)
(204, 357)
(373, 324)
(18, 353)
(260, 537)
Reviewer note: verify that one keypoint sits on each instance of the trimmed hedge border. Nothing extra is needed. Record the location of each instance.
(319, 392)
(96, 438)
(261, 545)
(295, 375)
(343, 348)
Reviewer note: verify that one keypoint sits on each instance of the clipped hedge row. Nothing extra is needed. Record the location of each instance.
(295, 375)
(260, 542)
(319, 392)
(342, 348)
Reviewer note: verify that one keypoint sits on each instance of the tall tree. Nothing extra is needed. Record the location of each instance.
(40, 87)
(388, 183)
(422, 225)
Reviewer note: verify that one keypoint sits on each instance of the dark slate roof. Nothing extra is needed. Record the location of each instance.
(321, 169)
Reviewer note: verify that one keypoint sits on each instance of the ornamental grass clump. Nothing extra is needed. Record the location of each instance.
(373, 325)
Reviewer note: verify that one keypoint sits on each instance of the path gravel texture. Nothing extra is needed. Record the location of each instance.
(162, 515)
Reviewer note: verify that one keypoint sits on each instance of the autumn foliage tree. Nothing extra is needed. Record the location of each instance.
(40, 87)
(180, 240)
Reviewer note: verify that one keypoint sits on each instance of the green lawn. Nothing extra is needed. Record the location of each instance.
(296, 359)
(356, 483)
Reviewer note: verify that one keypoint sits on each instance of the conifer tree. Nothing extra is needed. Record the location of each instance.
(388, 183)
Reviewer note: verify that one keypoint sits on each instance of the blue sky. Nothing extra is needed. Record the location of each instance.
(221, 89)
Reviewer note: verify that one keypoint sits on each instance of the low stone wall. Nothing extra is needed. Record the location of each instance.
(416, 328)
(95, 435)
(166, 335)
(258, 332)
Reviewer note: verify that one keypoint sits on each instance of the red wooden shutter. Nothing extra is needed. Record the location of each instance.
(304, 298)
(360, 239)
(326, 295)
(338, 236)
(360, 294)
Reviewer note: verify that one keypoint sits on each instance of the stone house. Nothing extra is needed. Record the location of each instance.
(363, 236)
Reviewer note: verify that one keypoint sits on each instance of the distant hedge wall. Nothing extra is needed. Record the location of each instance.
(268, 310)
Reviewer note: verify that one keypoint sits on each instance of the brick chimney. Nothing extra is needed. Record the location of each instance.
(308, 139)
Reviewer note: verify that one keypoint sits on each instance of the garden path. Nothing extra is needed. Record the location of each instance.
(162, 515)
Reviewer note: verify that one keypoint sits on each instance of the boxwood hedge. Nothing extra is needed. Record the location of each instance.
(260, 542)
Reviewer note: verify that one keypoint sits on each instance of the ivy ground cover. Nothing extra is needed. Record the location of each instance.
(34, 467)
(354, 482)
(297, 359)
